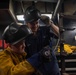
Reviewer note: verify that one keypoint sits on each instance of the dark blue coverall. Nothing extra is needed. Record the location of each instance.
(36, 42)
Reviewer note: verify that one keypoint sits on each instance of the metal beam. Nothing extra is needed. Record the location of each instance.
(58, 6)
(68, 16)
(11, 11)
(39, 0)
(7, 13)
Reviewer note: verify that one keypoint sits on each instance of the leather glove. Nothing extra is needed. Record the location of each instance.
(46, 20)
(46, 54)
(39, 58)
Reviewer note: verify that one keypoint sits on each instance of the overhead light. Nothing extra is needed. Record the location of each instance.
(20, 17)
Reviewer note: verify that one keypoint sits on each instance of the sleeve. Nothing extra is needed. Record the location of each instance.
(24, 68)
(9, 68)
(35, 60)
(51, 33)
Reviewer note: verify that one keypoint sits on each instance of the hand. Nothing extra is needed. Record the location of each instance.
(46, 54)
(39, 58)
(50, 22)
(46, 20)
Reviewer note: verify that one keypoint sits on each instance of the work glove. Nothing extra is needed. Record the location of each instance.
(41, 57)
(45, 54)
(46, 20)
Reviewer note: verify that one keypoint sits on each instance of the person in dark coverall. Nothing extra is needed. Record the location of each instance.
(41, 37)
(13, 59)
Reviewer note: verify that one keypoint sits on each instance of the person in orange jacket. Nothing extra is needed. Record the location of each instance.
(13, 59)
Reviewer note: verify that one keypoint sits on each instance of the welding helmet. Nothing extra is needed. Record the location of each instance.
(32, 14)
(14, 33)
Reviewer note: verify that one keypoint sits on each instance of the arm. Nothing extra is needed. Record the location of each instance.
(10, 65)
(54, 27)
(46, 20)
(9, 68)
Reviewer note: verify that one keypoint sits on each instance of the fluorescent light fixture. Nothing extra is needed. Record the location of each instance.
(49, 15)
(20, 17)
